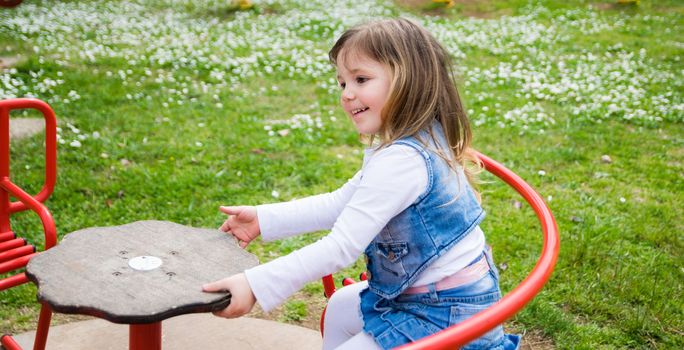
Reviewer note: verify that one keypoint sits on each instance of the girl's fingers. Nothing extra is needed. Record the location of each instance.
(224, 227)
(217, 286)
(230, 210)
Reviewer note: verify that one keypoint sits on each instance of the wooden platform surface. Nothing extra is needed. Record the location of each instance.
(89, 272)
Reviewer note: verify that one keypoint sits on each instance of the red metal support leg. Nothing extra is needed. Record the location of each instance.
(43, 327)
(328, 286)
(145, 336)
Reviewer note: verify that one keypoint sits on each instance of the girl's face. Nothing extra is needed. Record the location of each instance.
(365, 87)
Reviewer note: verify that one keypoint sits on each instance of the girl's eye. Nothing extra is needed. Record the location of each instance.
(342, 85)
(361, 80)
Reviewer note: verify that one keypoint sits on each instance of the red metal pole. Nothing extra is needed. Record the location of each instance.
(4, 165)
(15, 264)
(328, 286)
(11, 244)
(9, 343)
(6, 236)
(16, 252)
(145, 336)
(13, 281)
(43, 327)
(39, 208)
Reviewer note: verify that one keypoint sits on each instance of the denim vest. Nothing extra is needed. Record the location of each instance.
(434, 223)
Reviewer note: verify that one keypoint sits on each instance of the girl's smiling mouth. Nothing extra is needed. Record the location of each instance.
(358, 110)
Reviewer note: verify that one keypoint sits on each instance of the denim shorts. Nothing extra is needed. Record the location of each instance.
(410, 317)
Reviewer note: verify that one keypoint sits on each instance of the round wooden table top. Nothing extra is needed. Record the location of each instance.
(141, 272)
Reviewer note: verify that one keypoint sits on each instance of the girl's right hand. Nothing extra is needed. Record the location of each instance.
(242, 223)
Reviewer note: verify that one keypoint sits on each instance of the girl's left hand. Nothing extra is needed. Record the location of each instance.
(242, 298)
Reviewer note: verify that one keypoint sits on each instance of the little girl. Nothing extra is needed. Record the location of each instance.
(410, 210)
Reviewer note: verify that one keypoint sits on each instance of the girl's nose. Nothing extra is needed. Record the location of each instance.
(347, 94)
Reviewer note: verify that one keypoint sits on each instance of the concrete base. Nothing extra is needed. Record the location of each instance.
(25, 127)
(194, 331)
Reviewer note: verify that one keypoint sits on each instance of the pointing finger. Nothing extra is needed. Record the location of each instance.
(230, 210)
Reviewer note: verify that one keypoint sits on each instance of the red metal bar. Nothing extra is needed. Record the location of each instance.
(17, 252)
(9, 343)
(480, 323)
(328, 286)
(13, 281)
(4, 164)
(43, 327)
(322, 323)
(145, 336)
(39, 208)
(15, 264)
(347, 281)
(6, 236)
(50, 150)
(12, 243)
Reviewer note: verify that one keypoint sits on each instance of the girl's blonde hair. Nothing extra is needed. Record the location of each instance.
(422, 88)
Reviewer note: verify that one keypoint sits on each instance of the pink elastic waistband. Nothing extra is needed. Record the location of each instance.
(469, 274)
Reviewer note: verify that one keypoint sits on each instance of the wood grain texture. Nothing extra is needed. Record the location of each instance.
(88, 272)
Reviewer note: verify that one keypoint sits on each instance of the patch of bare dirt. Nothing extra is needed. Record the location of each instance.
(604, 6)
(9, 61)
(25, 127)
(314, 306)
(465, 8)
(535, 340)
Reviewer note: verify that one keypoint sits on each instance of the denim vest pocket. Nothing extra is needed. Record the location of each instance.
(390, 255)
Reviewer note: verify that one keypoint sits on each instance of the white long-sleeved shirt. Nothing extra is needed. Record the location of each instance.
(390, 180)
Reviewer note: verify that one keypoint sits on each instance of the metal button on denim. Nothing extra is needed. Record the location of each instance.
(391, 256)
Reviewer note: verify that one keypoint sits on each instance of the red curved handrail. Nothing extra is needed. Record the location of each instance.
(45, 217)
(50, 146)
(509, 305)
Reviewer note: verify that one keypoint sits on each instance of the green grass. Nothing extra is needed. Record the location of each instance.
(186, 130)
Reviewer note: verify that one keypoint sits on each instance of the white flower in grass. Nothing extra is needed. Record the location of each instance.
(275, 194)
(622, 200)
(541, 172)
(75, 144)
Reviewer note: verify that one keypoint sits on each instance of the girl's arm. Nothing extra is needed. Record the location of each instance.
(315, 213)
(392, 180)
